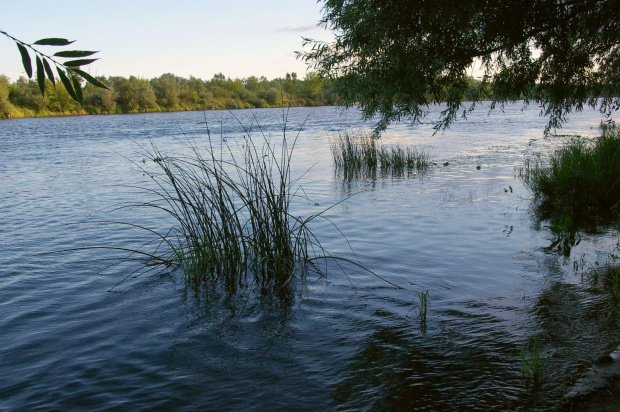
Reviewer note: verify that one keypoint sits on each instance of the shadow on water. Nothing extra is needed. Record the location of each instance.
(220, 313)
(577, 326)
(457, 366)
(469, 359)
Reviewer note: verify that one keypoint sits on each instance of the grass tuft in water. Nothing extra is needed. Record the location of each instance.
(355, 154)
(422, 308)
(399, 159)
(361, 155)
(580, 181)
(232, 212)
(532, 365)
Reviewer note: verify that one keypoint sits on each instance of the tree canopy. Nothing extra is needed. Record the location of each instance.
(396, 58)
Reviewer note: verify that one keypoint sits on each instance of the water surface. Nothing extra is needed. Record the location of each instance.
(345, 342)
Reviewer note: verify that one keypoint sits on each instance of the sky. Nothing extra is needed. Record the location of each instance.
(238, 38)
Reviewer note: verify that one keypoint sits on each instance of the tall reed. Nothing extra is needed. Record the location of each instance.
(362, 155)
(355, 154)
(232, 212)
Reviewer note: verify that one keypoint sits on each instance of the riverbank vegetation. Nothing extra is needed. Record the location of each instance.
(167, 93)
(581, 181)
(22, 98)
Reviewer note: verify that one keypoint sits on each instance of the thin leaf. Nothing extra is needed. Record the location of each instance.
(40, 76)
(48, 70)
(53, 41)
(25, 59)
(90, 79)
(78, 88)
(65, 80)
(74, 53)
(80, 62)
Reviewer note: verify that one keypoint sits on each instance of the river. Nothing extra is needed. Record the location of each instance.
(464, 231)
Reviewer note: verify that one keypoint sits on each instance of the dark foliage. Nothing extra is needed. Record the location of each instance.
(397, 57)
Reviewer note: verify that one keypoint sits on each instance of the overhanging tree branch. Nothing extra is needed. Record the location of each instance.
(397, 57)
(68, 71)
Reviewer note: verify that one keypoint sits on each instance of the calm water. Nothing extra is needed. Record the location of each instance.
(67, 343)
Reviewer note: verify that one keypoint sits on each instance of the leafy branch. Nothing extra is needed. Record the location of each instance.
(68, 71)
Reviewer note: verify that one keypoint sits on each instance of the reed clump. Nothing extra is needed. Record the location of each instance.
(355, 154)
(362, 155)
(231, 208)
(398, 159)
(582, 179)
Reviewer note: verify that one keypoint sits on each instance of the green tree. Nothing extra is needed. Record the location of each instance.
(134, 94)
(398, 57)
(100, 101)
(166, 91)
(25, 93)
(59, 99)
(5, 106)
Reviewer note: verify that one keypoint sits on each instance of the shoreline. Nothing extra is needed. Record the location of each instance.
(149, 112)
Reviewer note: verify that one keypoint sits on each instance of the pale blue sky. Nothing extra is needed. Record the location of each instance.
(186, 37)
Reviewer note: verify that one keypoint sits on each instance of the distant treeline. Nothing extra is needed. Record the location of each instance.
(168, 92)
(165, 93)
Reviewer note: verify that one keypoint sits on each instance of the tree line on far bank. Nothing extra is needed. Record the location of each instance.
(22, 98)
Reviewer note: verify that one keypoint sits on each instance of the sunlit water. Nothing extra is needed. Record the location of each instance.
(345, 342)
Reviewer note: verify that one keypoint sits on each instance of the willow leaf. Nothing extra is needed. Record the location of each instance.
(25, 59)
(40, 75)
(65, 80)
(49, 71)
(78, 88)
(80, 62)
(90, 79)
(74, 53)
(53, 41)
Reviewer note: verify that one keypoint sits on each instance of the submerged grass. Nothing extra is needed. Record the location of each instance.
(355, 154)
(398, 159)
(422, 308)
(361, 155)
(606, 273)
(531, 362)
(580, 181)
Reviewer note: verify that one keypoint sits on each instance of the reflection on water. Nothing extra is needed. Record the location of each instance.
(463, 231)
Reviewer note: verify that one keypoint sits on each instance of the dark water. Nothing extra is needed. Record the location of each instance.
(345, 342)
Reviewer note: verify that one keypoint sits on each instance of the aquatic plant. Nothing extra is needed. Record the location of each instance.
(354, 154)
(360, 154)
(232, 221)
(398, 159)
(606, 272)
(580, 181)
(531, 362)
(422, 308)
(232, 212)
(565, 235)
